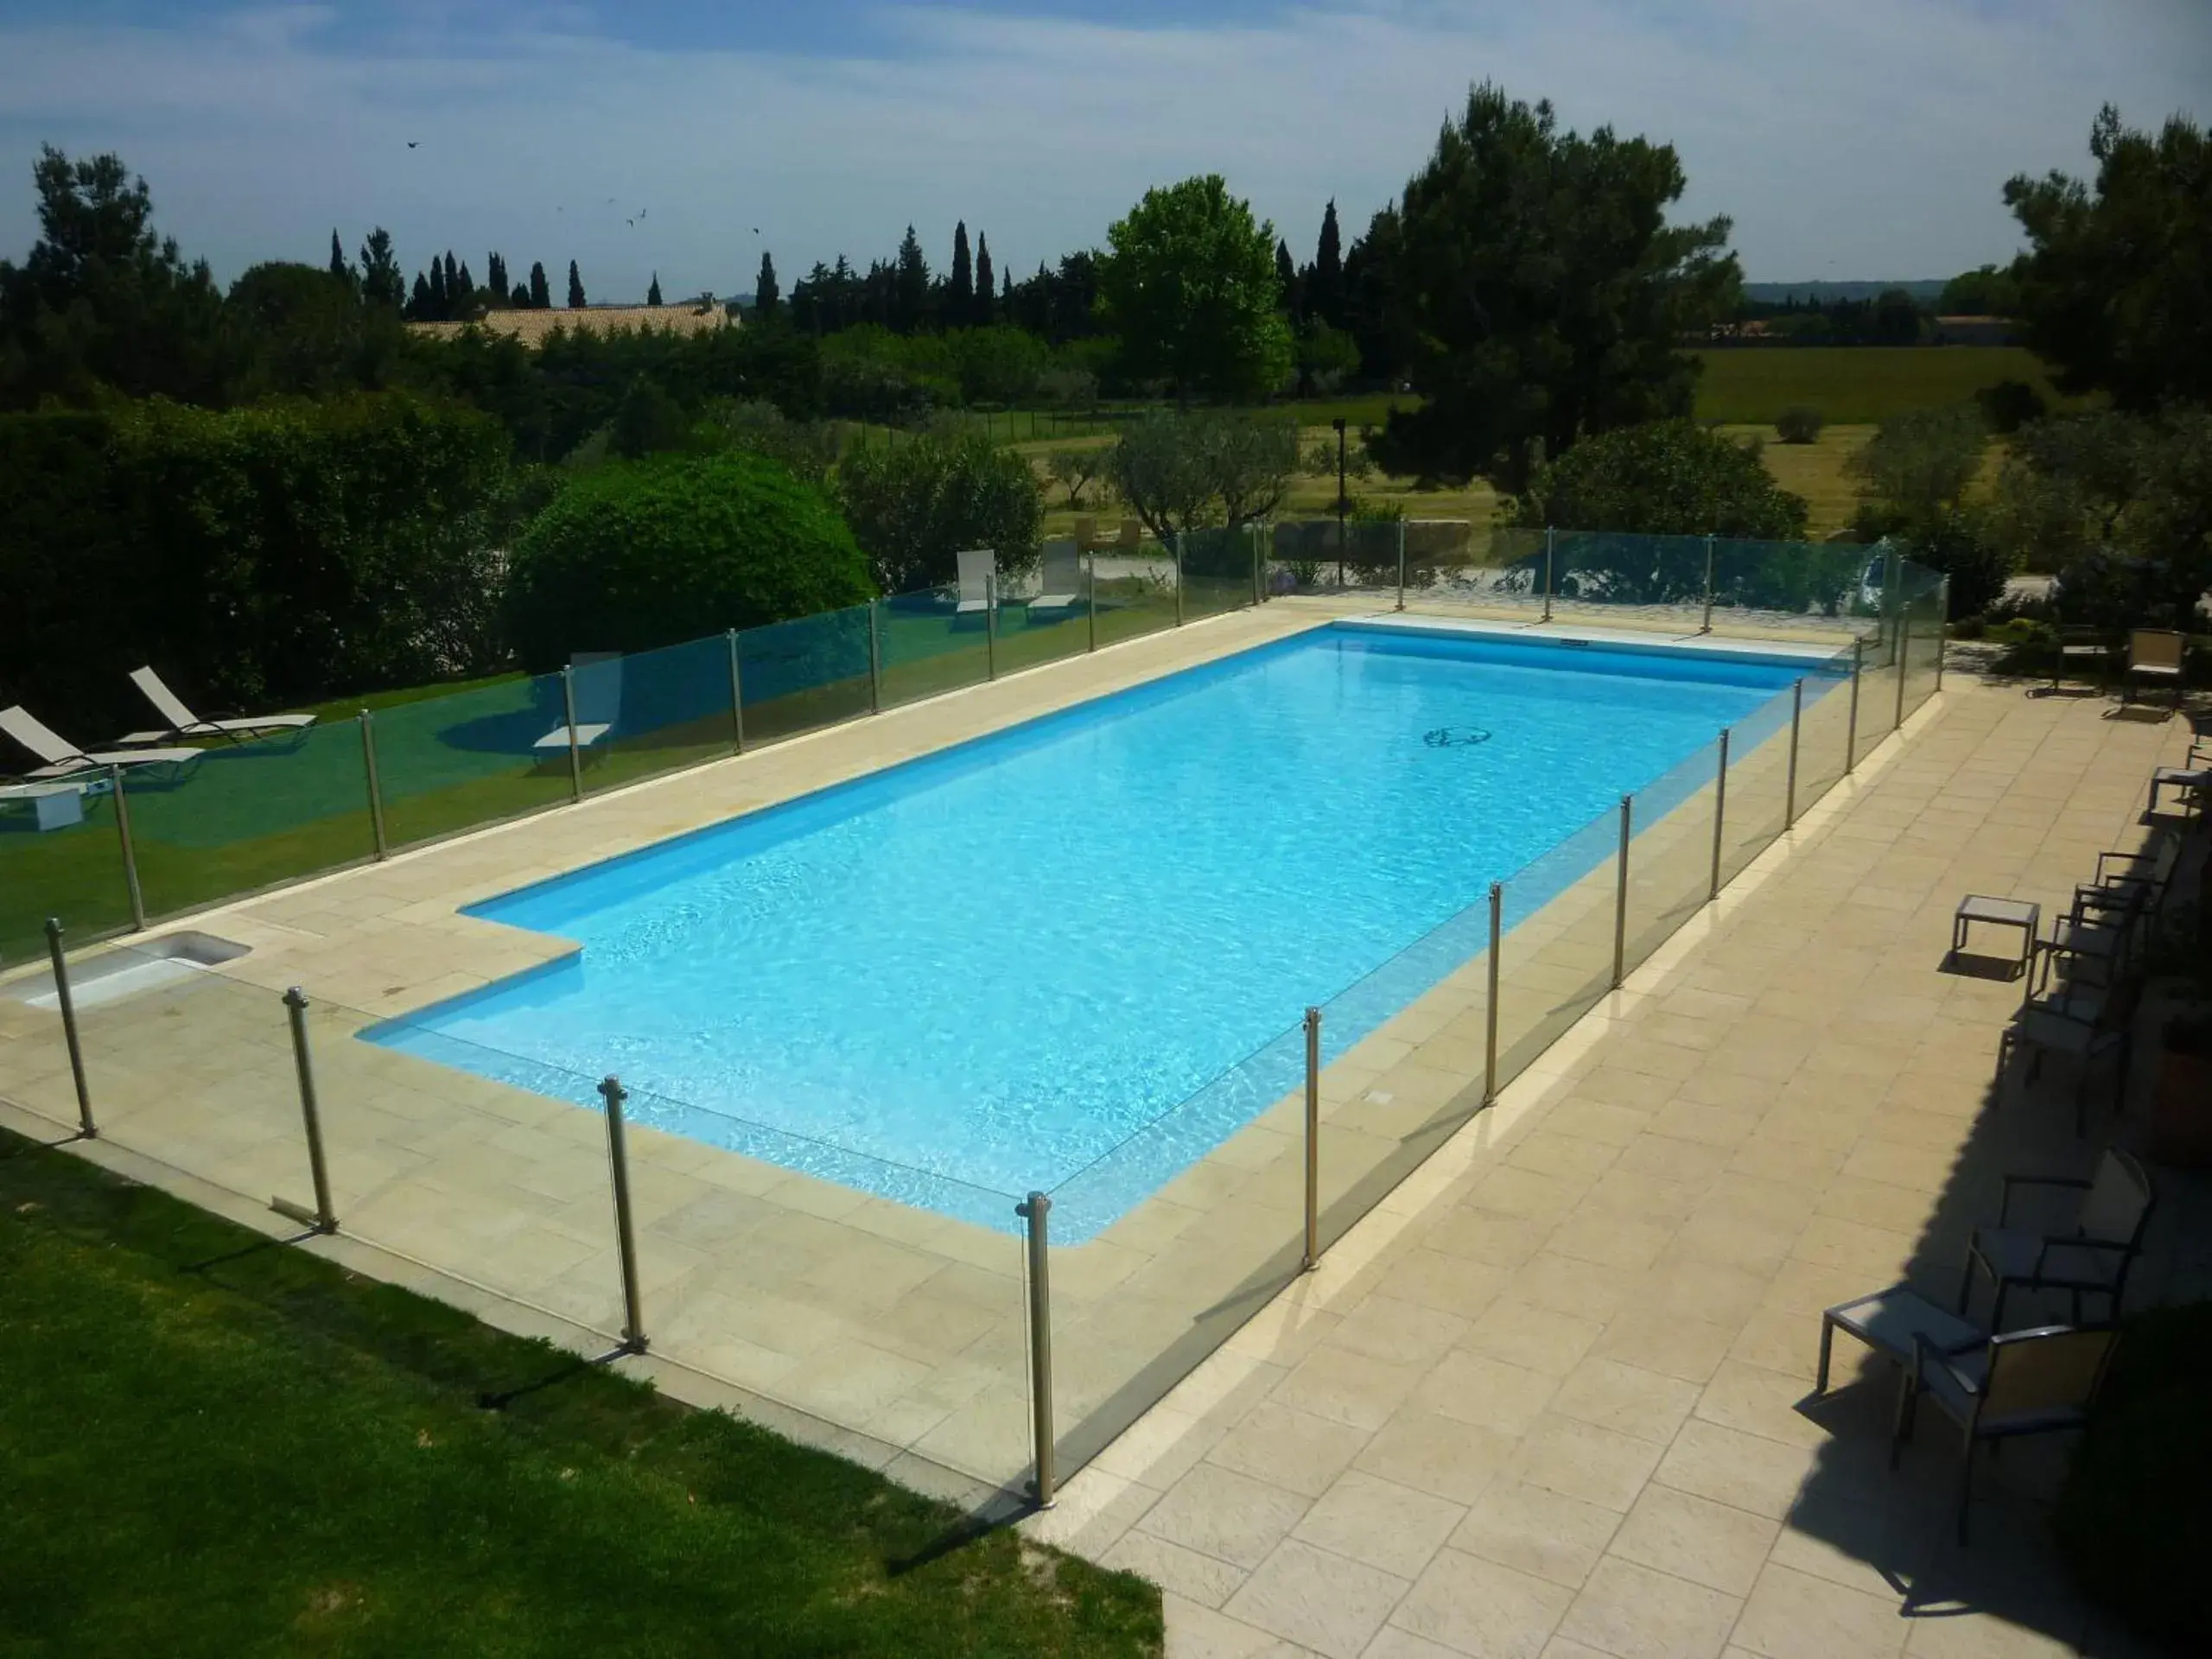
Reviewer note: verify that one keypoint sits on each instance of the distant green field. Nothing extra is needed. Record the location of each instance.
(1853, 384)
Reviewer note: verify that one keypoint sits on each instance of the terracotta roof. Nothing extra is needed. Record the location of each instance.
(531, 326)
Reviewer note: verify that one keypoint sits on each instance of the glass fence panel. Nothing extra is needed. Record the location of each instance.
(1152, 1270)
(930, 642)
(451, 763)
(1877, 687)
(1448, 563)
(877, 1297)
(1659, 579)
(1134, 585)
(1217, 571)
(663, 709)
(810, 671)
(1670, 858)
(1758, 779)
(1556, 959)
(1824, 736)
(60, 856)
(246, 816)
(1800, 589)
(1041, 621)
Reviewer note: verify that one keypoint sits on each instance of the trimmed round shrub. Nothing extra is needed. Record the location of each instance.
(1799, 423)
(636, 554)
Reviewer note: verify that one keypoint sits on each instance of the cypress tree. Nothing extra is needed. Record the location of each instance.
(418, 305)
(441, 294)
(338, 267)
(986, 289)
(520, 298)
(541, 293)
(652, 294)
(1287, 278)
(575, 289)
(910, 285)
(464, 293)
(495, 275)
(764, 291)
(960, 292)
(1325, 297)
(453, 280)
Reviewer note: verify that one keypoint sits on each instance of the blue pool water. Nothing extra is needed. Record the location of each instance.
(982, 972)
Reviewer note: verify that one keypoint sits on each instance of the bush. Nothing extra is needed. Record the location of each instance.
(1799, 423)
(1669, 477)
(2011, 405)
(259, 558)
(915, 505)
(2132, 1520)
(641, 554)
(1958, 544)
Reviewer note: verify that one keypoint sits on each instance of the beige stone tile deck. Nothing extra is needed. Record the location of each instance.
(1597, 1439)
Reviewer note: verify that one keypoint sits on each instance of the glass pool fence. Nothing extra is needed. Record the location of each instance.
(960, 1338)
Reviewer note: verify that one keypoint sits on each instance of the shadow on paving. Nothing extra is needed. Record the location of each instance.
(1892, 1531)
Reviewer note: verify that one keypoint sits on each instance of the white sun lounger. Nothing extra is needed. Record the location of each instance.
(62, 757)
(183, 722)
(978, 566)
(598, 677)
(1060, 587)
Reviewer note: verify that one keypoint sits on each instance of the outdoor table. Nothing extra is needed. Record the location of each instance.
(1998, 912)
(58, 805)
(1888, 1321)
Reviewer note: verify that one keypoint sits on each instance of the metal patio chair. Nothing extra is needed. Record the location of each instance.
(2037, 1382)
(2088, 1026)
(2155, 654)
(2088, 1255)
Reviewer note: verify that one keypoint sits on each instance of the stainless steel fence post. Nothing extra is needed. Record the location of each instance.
(625, 1238)
(375, 787)
(1401, 564)
(1796, 724)
(575, 751)
(1943, 627)
(875, 664)
(1707, 626)
(1620, 893)
(991, 624)
(1176, 540)
(736, 696)
(1720, 813)
(1258, 595)
(1851, 731)
(323, 1218)
(1904, 655)
(1091, 562)
(1034, 1210)
(1548, 537)
(1489, 1013)
(86, 1129)
(129, 856)
(1312, 1139)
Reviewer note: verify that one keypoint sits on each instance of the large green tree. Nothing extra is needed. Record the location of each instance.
(1670, 477)
(914, 506)
(1189, 285)
(2116, 288)
(1533, 287)
(102, 304)
(1185, 470)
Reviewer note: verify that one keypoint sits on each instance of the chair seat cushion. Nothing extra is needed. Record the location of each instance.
(2010, 1253)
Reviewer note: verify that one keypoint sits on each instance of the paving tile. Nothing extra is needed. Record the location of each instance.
(1537, 1531)
(1760, 1401)
(1381, 1523)
(1626, 1399)
(1220, 1513)
(1436, 1454)
(1480, 1608)
(1730, 1467)
(1401, 1332)
(1181, 1571)
(1633, 1613)
(1793, 1615)
(1539, 1339)
(1579, 1459)
(1494, 1394)
(1671, 1345)
(1335, 1383)
(1294, 1450)
(1694, 1538)
(1321, 1601)
(1196, 1631)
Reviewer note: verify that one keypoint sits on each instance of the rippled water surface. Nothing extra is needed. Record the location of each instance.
(978, 974)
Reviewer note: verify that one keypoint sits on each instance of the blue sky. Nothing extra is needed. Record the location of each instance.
(1846, 138)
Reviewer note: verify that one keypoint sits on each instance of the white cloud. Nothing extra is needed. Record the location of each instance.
(1844, 137)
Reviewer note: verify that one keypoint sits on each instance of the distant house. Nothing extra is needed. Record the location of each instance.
(686, 317)
(1975, 331)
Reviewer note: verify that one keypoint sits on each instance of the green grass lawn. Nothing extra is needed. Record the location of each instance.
(214, 1445)
(1856, 384)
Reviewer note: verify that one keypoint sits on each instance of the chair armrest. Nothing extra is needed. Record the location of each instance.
(2005, 1203)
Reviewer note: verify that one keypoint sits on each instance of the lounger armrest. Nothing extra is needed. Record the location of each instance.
(2005, 1203)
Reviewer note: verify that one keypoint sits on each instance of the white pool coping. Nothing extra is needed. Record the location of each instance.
(1556, 632)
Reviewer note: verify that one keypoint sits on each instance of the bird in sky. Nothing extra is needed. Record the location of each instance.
(412, 142)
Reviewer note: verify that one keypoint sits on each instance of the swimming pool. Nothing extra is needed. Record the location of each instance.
(981, 972)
